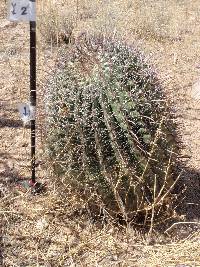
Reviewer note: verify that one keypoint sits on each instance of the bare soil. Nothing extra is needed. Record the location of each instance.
(33, 230)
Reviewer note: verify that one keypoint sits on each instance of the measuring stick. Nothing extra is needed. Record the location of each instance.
(33, 93)
(25, 10)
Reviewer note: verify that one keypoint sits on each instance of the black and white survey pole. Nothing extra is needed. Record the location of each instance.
(25, 10)
(33, 93)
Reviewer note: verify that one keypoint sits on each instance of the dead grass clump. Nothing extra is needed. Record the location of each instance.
(56, 21)
(39, 232)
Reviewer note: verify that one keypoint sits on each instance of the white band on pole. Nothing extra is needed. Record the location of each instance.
(22, 10)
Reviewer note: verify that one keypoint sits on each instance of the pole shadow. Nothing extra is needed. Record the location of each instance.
(11, 123)
(1, 244)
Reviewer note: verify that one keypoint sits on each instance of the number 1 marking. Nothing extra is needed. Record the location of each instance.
(25, 112)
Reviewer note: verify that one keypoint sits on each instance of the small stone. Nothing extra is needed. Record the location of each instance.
(42, 224)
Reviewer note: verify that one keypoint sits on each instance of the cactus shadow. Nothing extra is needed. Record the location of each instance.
(189, 199)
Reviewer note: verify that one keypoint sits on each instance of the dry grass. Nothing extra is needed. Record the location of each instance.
(42, 230)
(167, 31)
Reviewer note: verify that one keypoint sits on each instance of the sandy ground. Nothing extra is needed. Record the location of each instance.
(15, 139)
(180, 70)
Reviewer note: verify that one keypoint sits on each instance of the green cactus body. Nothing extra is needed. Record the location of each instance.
(108, 124)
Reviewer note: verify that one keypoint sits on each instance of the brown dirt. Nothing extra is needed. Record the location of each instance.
(33, 234)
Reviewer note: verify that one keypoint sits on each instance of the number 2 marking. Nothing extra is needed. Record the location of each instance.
(24, 10)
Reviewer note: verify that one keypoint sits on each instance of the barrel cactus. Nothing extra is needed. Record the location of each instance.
(109, 127)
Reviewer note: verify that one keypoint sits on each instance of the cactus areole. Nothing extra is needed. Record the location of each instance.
(110, 131)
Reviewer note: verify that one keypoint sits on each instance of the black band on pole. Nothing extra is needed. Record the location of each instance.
(33, 93)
